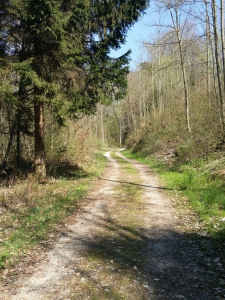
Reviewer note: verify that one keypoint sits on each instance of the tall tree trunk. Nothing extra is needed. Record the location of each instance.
(207, 54)
(102, 126)
(159, 84)
(119, 123)
(222, 42)
(186, 94)
(218, 66)
(11, 135)
(120, 133)
(214, 77)
(18, 140)
(39, 160)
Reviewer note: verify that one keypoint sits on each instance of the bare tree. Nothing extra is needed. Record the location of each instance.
(173, 7)
(218, 65)
(222, 42)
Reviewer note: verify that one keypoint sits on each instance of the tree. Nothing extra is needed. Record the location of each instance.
(174, 7)
(218, 64)
(61, 56)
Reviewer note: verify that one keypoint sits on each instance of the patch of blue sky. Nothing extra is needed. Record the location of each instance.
(155, 23)
(138, 33)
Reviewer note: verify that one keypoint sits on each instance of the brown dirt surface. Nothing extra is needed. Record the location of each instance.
(126, 242)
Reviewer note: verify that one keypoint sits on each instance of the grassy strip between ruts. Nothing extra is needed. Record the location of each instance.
(127, 166)
(32, 211)
(114, 259)
(194, 182)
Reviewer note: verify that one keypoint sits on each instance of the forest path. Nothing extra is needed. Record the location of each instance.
(126, 243)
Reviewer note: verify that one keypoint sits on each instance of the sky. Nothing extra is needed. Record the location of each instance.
(146, 30)
(135, 36)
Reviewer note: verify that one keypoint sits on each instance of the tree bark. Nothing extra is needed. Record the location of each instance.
(186, 93)
(218, 66)
(207, 54)
(18, 140)
(11, 135)
(222, 42)
(213, 64)
(102, 125)
(39, 160)
(119, 123)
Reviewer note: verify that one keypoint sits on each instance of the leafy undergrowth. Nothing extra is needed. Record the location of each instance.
(29, 212)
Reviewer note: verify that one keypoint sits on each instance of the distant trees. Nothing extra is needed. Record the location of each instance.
(178, 92)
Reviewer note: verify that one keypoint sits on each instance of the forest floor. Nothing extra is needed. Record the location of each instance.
(127, 241)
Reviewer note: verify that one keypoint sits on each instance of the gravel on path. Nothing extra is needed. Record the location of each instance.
(93, 258)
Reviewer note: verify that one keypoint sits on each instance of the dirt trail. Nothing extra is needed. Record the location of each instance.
(126, 243)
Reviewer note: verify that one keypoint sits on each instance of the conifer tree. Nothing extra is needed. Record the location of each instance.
(60, 51)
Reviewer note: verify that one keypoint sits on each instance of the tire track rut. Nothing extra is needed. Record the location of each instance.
(95, 258)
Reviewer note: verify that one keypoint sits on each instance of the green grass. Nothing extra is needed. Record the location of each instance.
(205, 195)
(40, 209)
(125, 165)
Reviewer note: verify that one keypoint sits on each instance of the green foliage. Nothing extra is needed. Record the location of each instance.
(205, 195)
(126, 166)
(58, 54)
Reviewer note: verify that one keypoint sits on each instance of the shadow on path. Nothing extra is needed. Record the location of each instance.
(137, 184)
(157, 264)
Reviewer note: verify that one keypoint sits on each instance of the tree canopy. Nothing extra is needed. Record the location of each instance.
(58, 54)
